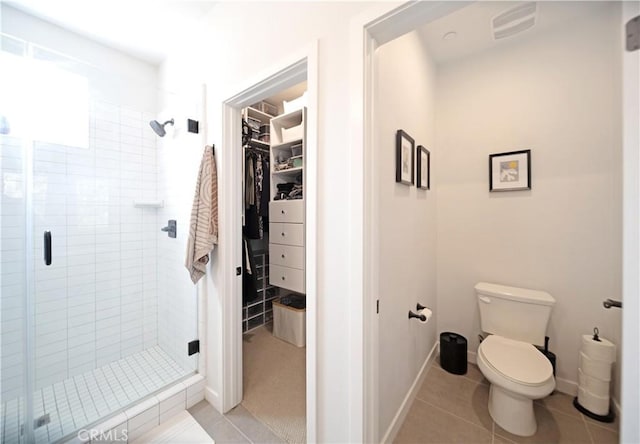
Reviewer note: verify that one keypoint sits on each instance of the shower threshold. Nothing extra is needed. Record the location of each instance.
(89, 397)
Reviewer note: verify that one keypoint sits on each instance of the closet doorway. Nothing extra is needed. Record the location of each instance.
(268, 356)
(273, 243)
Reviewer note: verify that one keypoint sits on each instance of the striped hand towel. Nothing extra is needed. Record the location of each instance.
(203, 230)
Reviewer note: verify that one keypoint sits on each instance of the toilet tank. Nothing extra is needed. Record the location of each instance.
(514, 313)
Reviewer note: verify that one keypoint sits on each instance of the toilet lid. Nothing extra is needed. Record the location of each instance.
(516, 360)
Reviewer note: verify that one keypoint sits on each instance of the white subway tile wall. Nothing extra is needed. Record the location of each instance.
(91, 307)
(102, 299)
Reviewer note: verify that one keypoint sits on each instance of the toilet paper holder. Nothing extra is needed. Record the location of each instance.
(608, 303)
(420, 316)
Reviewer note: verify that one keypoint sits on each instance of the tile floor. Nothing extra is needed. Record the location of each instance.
(453, 409)
(85, 398)
(237, 426)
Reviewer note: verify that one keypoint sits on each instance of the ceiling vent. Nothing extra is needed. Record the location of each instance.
(514, 21)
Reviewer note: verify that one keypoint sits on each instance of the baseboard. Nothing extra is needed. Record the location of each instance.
(571, 388)
(398, 420)
(213, 398)
(616, 407)
(566, 386)
(471, 357)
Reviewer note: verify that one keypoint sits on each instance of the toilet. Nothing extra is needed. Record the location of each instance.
(516, 320)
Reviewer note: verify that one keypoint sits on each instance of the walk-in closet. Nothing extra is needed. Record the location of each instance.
(273, 256)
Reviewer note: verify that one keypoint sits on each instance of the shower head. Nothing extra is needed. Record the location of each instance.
(158, 127)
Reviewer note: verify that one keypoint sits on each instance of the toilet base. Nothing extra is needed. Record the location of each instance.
(512, 412)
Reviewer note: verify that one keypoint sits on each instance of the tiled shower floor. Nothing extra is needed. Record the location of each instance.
(86, 398)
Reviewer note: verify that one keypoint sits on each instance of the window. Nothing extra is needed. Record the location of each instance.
(40, 100)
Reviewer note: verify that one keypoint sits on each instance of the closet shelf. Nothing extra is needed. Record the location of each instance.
(289, 119)
(259, 115)
(287, 171)
(259, 144)
(286, 145)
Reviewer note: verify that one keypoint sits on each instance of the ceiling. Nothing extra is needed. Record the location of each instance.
(472, 25)
(144, 29)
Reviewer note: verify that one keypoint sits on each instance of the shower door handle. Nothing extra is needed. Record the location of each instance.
(47, 248)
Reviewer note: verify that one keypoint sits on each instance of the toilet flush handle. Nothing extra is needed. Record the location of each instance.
(485, 299)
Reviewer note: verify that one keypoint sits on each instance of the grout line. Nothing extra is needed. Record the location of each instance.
(66, 394)
(238, 429)
(493, 432)
(454, 415)
(586, 426)
(44, 412)
(58, 409)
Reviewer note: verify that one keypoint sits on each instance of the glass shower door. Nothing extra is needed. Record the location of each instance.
(84, 321)
(13, 281)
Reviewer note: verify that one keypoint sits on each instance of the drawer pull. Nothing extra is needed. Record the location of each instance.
(283, 256)
(282, 211)
(282, 234)
(283, 278)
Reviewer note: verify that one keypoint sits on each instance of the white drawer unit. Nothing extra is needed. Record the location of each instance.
(287, 256)
(291, 211)
(285, 277)
(286, 234)
(286, 216)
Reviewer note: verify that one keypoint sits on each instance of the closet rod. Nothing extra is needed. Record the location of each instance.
(255, 148)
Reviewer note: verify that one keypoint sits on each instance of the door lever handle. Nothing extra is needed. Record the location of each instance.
(612, 303)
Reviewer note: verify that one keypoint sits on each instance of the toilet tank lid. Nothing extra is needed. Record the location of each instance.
(515, 293)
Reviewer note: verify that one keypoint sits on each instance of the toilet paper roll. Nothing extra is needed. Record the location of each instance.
(595, 404)
(603, 350)
(592, 384)
(595, 368)
(427, 315)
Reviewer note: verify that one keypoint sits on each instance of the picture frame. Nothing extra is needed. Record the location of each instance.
(423, 168)
(405, 158)
(510, 171)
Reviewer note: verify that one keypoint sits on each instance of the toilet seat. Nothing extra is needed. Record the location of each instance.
(516, 361)
(518, 374)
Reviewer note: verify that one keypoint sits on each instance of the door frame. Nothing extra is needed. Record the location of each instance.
(380, 25)
(630, 396)
(300, 66)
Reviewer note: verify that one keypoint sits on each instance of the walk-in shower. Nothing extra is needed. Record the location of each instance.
(96, 307)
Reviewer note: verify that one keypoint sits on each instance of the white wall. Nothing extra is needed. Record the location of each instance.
(557, 94)
(100, 57)
(236, 46)
(405, 219)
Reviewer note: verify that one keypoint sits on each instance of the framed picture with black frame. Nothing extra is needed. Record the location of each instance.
(423, 168)
(405, 151)
(510, 171)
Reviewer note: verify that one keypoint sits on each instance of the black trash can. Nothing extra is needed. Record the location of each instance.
(453, 353)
